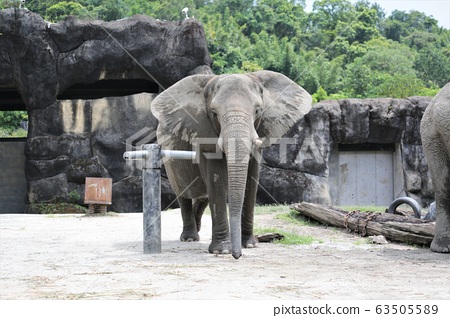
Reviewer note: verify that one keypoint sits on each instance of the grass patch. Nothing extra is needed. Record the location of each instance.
(294, 218)
(57, 208)
(268, 209)
(368, 208)
(363, 241)
(261, 209)
(289, 237)
(101, 214)
(379, 209)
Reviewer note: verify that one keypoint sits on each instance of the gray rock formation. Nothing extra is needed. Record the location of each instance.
(72, 77)
(307, 172)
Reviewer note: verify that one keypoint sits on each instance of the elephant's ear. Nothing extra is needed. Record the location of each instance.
(181, 113)
(285, 103)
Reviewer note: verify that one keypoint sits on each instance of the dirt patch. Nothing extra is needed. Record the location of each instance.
(77, 257)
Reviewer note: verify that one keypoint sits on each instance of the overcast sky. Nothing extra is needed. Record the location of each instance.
(439, 9)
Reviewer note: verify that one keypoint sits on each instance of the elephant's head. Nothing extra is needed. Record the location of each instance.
(242, 111)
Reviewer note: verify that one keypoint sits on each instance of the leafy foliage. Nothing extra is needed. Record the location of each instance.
(10, 123)
(340, 49)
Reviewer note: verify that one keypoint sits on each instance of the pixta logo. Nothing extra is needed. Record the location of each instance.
(144, 136)
(214, 148)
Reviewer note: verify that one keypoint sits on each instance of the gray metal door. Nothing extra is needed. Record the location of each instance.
(366, 178)
(13, 183)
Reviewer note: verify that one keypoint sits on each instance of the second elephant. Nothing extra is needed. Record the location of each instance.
(435, 132)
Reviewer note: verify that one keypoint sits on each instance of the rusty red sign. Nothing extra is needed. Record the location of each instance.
(98, 191)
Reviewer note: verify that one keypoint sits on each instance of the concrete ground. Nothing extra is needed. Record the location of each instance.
(87, 257)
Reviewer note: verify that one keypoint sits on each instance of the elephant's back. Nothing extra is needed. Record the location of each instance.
(436, 119)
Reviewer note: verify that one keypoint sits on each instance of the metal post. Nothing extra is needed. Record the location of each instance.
(151, 189)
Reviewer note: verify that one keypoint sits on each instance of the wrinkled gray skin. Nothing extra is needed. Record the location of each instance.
(240, 113)
(435, 131)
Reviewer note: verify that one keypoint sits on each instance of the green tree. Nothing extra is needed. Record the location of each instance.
(226, 42)
(433, 67)
(110, 10)
(10, 120)
(400, 24)
(366, 24)
(279, 17)
(4, 4)
(170, 10)
(320, 95)
(358, 80)
(398, 86)
(331, 17)
(347, 49)
(61, 10)
(377, 71)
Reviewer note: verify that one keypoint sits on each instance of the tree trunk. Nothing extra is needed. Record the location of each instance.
(394, 227)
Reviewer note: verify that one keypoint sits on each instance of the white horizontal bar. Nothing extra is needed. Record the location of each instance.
(178, 154)
(135, 155)
(172, 154)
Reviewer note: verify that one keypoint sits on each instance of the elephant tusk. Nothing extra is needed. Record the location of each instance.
(258, 142)
(220, 143)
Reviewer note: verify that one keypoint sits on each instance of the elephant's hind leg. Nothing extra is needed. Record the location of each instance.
(190, 232)
(441, 243)
(441, 240)
(199, 207)
(437, 155)
(248, 239)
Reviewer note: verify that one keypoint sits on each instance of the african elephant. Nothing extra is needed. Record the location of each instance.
(435, 132)
(227, 119)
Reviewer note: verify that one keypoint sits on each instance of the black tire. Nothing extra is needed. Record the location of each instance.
(406, 200)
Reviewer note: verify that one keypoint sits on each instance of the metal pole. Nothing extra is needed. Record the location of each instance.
(135, 155)
(151, 189)
(172, 154)
(179, 154)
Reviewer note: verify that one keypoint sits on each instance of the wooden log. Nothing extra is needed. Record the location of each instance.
(394, 227)
(269, 237)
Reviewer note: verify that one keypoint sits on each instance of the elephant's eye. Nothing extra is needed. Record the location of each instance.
(213, 113)
(258, 111)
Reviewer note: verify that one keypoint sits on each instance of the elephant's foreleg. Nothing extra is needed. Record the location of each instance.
(439, 163)
(248, 239)
(217, 194)
(190, 232)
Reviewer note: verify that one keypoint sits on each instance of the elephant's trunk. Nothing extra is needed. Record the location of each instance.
(237, 143)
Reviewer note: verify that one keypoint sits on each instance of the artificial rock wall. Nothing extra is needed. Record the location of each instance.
(306, 173)
(70, 139)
